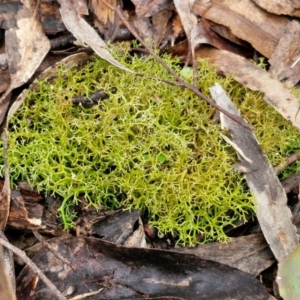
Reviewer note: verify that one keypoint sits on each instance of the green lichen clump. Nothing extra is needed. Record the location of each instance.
(150, 146)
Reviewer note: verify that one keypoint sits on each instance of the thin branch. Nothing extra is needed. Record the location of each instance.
(192, 88)
(34, 268)
(287, 161)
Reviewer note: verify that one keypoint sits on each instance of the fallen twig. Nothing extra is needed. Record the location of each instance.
(288, 161)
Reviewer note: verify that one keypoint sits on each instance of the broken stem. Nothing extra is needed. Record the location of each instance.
(192, 88)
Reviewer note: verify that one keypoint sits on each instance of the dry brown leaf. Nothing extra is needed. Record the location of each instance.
(154, 30)
(201, 6)
(138, 238)
(280, 7)
(257, 79)
(145, 28)
(188, 19)
(251, 253)
(248, 22)
(162, 26)
(225, 32)
(285, 60)
(138, 273)
(85, 33)
(148, 8)
(202, 34)
(177, 26)
(26, 46)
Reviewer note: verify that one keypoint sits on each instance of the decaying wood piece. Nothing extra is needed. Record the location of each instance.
(272, 212)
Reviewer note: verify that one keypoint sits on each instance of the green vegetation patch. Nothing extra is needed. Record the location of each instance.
(150, 146)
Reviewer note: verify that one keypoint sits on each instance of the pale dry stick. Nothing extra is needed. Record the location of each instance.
(272, 211)
(192, 88)
(86, 295)
(34, 268)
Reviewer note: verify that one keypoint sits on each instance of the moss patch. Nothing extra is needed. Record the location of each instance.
(149, 146)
